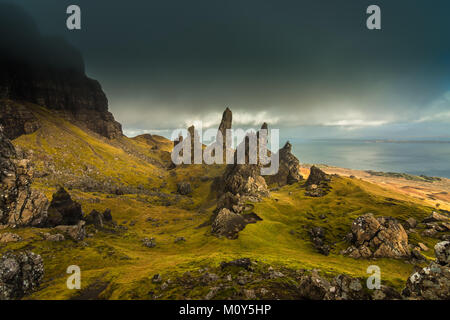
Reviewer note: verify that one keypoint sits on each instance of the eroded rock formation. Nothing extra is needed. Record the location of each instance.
(19, 204)
(20, 274)
(317, 184)
(377, 237)
(289, 168)
(63, 210)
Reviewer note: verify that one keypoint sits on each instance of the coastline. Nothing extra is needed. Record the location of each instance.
(433, 193)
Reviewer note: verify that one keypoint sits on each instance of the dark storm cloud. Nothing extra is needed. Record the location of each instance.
(166, 63)
(21, 41)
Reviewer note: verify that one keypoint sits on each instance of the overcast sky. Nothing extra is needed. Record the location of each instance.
(311, 64)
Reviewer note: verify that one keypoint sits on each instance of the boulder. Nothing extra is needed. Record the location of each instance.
(8, 237)
(317, 235)
(75, 232)
(442, 252)
(245, 263)
(411, 223)
(378, 237)
(149, 243)
(184, 188)
(20, 274)
(54, 237)
(63, 210)
(95, 218)
(436, 217)
(98, 219)
(228, 224)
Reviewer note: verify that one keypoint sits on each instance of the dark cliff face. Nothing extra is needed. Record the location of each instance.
(48, 72)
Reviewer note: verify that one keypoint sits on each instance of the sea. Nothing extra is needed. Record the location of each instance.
(430, 158)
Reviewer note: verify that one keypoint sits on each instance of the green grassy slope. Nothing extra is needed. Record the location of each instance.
(125, 267)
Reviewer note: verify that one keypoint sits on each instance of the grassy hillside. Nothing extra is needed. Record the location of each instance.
(115, 264)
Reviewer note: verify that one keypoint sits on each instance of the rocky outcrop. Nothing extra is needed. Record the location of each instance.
(241, 182)
(243, 177)
(63, 210)
(432, 282)
(228, 224)
(76, 97)
(48, 72)
(20, 274)
(245, 180)
(317, 235)
(342, 287)
(442, 252)
(317, 184)
(17, 120)
(436, 223)
(184, 188)
(19, 204)
(98, 219)
(289, 168)
(377, 237)
(316, 176)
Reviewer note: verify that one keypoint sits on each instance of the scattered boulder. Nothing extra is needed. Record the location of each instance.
(57, 237)
(422, 246)
(245, 263)
(411, 223)
(378, 237)
(63, 210)
(442, 252)
(317, 235)
(432, 282)
(212, 293)
(75, 232)
(8, 237)
(184, 188)
(342, 287)
(436, 217)
(228, 224)
(157, 278)
(20, 274)
(180, 239)
(313, 287)
(249, 294)
(99, 219)
(415, 254)
(149, 243)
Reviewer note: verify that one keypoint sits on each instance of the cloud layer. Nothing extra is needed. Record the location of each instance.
(165, 64)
